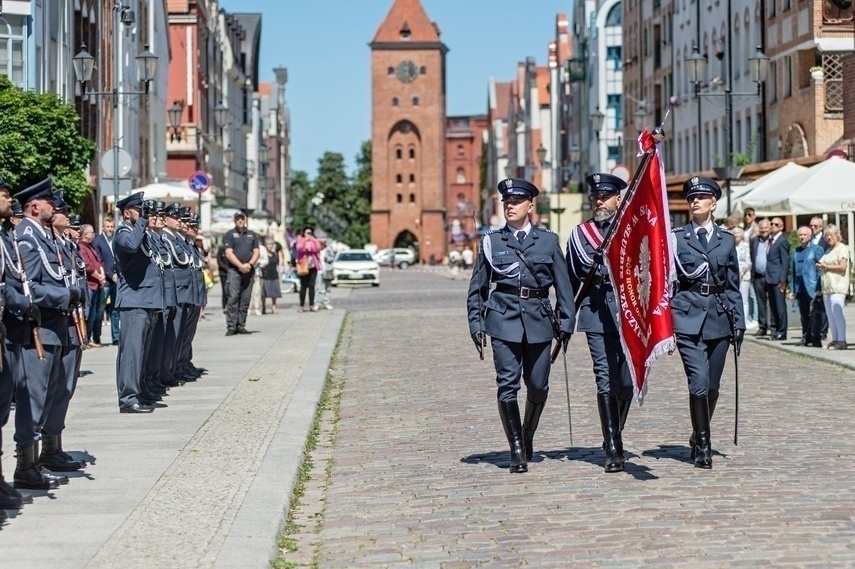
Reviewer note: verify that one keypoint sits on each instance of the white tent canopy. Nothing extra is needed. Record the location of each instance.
(760, 186)
(825, 187)
(177, 191)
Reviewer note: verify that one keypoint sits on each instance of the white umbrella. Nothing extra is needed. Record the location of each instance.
(759, 186)
(824, 187)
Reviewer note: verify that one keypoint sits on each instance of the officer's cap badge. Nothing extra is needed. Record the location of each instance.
(596, 178)
(695, 181)
(509, 183)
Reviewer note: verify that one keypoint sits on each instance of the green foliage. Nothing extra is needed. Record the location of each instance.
(739, 159)
(39, 139)
(301, 192)
(357, 203)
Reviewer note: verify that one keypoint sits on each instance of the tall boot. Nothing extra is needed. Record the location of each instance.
(46, 472)
(699, 409)
(11, 499)
(509, 411)
(26, 473)
(532, 419)
(713, 402)
(623, 411)
(53, 458)
(610, 423)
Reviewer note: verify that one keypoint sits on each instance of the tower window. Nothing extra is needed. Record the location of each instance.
(412, 178)
(460, 150)
(398, 154)
(400, 198)
(390, 70)
(422, 70)
(399, 179)
(412, 198)
(461, 176)
(415, 101)
(394, 101)
(412, 152)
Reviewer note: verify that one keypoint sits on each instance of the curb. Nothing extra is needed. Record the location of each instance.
(814, 355)
(253, 540)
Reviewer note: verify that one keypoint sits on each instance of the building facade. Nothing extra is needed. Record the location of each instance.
(465, 139)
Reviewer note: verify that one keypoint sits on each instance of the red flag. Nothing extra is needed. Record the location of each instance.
(641, 264)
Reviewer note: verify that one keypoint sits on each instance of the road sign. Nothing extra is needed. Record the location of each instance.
(199, 182)
(126, 162)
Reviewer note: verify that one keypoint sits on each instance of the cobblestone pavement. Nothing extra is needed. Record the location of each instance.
(419, 463)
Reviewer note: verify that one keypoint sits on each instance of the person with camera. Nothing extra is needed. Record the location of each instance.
(308, 263)
(524, 261)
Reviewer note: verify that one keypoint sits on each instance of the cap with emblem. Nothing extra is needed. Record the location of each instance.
(239, 213)
(59, 204)
(133, 200)
(41, 190)
(74, 221)
(159, 207)
(699, 185)
(17, 210)
(603, 184)
(194, 219)
(173, 210)
(184, 212)
(515, 188)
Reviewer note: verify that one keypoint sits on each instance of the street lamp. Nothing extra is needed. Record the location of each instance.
(84, 64)
(597, 119)
(639, 117)
(174, 113)
(696, 67)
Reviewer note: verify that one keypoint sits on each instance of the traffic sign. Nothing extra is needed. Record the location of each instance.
(199, 182)
(109, 158)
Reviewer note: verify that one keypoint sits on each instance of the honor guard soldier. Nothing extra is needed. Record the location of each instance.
(152, 389)
(41, 362)
(524, 261)
(202, 291)
(17, 213)
(193, 307)
(139, 297)
(706, 290)
(184, 294)
(19, 315)
(598, 315)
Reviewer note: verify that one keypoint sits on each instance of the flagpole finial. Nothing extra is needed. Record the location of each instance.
(658, 134)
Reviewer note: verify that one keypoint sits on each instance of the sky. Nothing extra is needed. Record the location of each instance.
(324, 45)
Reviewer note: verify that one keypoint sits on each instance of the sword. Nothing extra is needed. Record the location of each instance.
(37, 337)
(480, 284)
(567, 384)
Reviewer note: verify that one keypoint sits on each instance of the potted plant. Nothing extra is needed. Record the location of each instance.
(816, 73)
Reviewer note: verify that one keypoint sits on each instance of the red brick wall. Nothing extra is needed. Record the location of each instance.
(849, 96)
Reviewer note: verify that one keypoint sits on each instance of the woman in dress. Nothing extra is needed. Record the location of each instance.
(270, 287)
(834, 266)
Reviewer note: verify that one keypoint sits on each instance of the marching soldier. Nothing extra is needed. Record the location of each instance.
(598, 316)
(139, 298)
(19, 314)
(41, 372)
(707, 289)
(524, 261)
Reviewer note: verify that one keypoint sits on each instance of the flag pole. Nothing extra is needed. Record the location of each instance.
(658, 136)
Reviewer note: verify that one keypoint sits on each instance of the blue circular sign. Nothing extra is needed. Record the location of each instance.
(199, 182)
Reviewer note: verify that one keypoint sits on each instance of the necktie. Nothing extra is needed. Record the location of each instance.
(702, 237)
(520, 236)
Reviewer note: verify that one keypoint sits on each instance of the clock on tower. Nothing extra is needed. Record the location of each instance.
(406, 72)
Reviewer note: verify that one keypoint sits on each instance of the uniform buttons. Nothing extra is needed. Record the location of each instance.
(705, 308)
(523, 309)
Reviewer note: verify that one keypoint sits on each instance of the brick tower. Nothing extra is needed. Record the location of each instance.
(408, 132)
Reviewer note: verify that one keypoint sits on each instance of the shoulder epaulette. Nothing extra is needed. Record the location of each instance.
(676, 229)
(725, 230)
(545, 230)
(490, 232)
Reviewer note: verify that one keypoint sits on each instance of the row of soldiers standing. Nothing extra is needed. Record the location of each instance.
(161, 292)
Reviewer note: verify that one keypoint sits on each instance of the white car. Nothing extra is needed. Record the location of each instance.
(355, 266)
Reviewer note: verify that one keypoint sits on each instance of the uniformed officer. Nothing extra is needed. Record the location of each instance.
(706, 290)
(139, 297)
(242, 252)
(19, 314)
(524, 261)
(38, 383)
(152, 388)
(202, 289)
(17, 213)
(184, 294)
(193, 308)
(598, 315)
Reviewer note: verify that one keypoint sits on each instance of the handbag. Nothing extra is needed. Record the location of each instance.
(554, 319)
(302, 267)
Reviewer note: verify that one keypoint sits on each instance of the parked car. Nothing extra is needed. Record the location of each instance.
(355, 266)
(403, 257)
(290, 280)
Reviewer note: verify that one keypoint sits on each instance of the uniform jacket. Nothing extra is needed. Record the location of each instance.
(65, 248)
(181, 263)
(778, 261)
(47, 286)
(201, 289)
(810, 274)
(506, 316)
(598, 309)
(691, 312)
(140, 283)
(18, 328)
(170, 295)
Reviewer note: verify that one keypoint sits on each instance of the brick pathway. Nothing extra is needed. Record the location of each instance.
(419, 462)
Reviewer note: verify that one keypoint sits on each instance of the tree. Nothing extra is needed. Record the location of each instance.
(357, 211)
(39, 138)
(301, 193)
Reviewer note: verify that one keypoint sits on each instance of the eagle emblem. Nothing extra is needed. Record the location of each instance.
(509, 184)
(696, 181)
(596, 178)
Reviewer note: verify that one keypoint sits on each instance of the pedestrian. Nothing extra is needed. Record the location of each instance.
(817, 227)
(270, 286)
(806, 287)
(749, 223)
(834, 266)
(598, 316)
(743, 254)
(308, 260)
(326, 276)
(468, 257)
(524, 261)
(242, 253)
(759, 248)
(777, 276)
(96, 281)
(103, 244)
(708, 283)
(256, 300)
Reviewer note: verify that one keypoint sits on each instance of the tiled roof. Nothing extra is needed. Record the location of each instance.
(407, 15)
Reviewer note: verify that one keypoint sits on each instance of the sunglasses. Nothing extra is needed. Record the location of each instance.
(778, 224)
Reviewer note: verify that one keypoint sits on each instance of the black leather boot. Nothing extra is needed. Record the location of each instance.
(623, 411)
(610, 423)
(53, 458)
(699, 409)
(532, 419)
(510, 415)
(46, 472)
(67, 456)
(713, 399)
(26, 473)
(11, 499)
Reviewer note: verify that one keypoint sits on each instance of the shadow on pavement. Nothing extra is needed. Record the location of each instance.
(596, 456)
(680, 453)
(500, 459)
